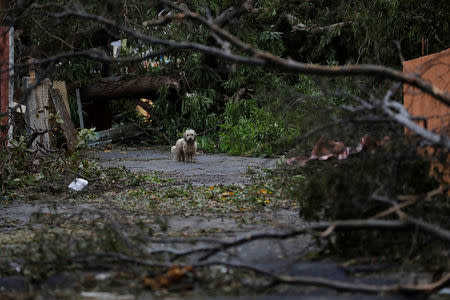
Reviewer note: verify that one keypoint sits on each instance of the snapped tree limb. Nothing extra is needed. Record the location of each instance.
(255, 56)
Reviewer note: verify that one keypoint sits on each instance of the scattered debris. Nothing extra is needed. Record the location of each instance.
(114, 135)
(445, 291)
(105, 296)
(327, 148)
(173, 275)
(66, 124)
(78, 184)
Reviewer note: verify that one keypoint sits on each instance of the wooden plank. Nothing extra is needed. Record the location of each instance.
(61, 87)
(37, 104)
(67, 126)
(80, 109)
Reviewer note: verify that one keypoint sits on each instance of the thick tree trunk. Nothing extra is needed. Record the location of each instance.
(119, 87)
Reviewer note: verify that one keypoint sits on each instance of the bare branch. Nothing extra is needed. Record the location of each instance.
(434, 230)
(335, 226)
(322, 29)
(399, 113)
(291, 65)
(233, 12)
(259, 57)
(281, 279)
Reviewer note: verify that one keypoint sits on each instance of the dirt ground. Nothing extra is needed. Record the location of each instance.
(216, 197)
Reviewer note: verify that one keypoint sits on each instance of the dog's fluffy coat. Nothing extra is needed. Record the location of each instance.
(186, 147)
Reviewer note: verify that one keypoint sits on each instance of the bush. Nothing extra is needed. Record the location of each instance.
(344, 189)
(252, 133)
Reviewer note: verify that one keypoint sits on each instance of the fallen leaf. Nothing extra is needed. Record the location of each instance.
(156, 283)
(326, 148)
(173, 274)
(226, 194)
(297, 161)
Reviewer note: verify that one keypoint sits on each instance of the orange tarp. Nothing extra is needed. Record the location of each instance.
(434, 68)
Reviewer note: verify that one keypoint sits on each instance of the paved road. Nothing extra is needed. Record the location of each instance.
(208, 169)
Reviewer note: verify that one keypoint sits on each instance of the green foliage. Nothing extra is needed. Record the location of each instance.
(205, 76)
(254, 134)
(346, 189)
(20, 168)
(207, 143)
(124, 112)
(196, 110)
(123, 176)
(271, 41)
(15, 163)
(376, 24)
(84, 136)
(267, 124)
(82, 71)
(336, 190)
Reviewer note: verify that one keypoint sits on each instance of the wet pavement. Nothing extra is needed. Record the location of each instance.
(285, 257)
(208, 169)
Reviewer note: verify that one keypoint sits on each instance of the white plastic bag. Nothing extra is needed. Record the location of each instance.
(78, 184)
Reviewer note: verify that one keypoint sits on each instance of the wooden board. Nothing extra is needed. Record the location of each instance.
(37, 113)
(61, 87)
(67, 126)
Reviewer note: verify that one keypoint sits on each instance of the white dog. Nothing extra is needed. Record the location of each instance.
(186, 147)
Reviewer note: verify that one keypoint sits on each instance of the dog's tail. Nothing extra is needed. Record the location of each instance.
(172, 149)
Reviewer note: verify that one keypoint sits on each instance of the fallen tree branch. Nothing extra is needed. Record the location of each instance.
(426, 227)
(361, 287)
(327, 228)
(398, 112)
(280, 279)
(113, 88)
(233, 12)
(396, 208)
(258, 57)
(408, 200)
(291, 65)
